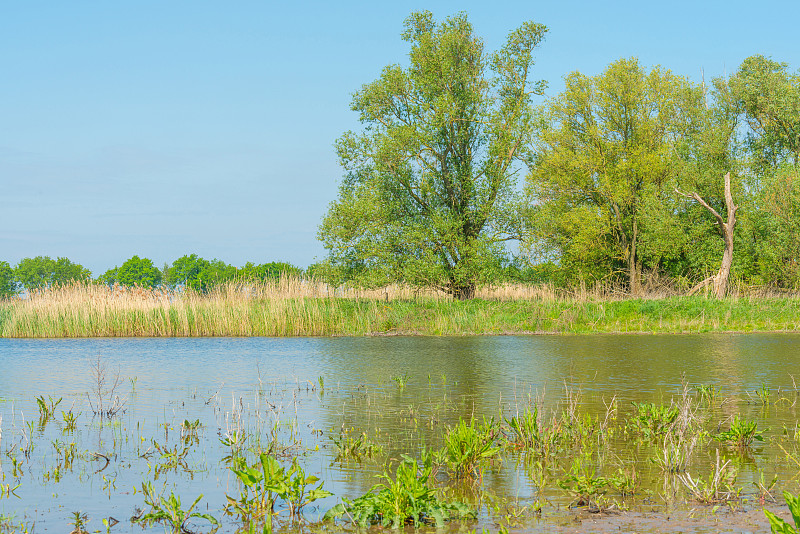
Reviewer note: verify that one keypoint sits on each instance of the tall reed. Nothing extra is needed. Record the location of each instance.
(299, 307)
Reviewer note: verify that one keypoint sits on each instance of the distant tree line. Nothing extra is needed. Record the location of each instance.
(187, 272)
(632, 174)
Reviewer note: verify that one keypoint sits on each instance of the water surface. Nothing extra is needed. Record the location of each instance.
(403, 391)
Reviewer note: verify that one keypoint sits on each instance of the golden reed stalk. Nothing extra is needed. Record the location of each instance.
(288, 306)
(293, 306)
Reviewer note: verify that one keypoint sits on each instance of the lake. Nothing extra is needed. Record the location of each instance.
(298, 396)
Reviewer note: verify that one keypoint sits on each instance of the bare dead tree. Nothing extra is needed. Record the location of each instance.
(719, 280)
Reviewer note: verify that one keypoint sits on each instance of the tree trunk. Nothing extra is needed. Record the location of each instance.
(719, 280)
(633, 278)
(633, 270)
(463, 292)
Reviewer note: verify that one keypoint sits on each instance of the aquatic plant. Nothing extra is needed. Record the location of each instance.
(583, 483)
(524, 429)
(169, 511)
(190, 430)
(717, 487)
(293, 307)
(261, 484)
(673, 456)
(764, 395)
(10, 525)
(467, 446)
(264, 483)
(296, 491)
(652, 420)
(79, 520)
(400, 500)
(47, 409)
(510, 512)
(171, 458)
(104, 400)
(765, 488)
(7, 490)
(741, 434)
(780, 526)
(234, 439)
(70, 420)
(401, 380)
(355, 448)
(708, 393)
(66, 453)
(625, 481)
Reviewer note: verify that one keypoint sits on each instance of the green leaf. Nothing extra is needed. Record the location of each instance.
(208, 517)
(778, 525)
(794, 507)
(335, 512)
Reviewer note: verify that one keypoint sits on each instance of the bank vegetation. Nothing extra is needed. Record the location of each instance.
(294, 306)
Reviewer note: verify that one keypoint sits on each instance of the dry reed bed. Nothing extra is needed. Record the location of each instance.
(297, 307)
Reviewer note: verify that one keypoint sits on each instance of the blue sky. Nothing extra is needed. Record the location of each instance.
(163, 128)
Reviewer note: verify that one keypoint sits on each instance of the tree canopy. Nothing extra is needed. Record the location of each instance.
(429, 190)
(268, 271)
(134, 272)
(191, 272)
(770, 98)
(43, 271)
(8, 284)
(607, 146)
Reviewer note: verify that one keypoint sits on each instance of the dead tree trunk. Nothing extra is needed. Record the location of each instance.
(719, 280)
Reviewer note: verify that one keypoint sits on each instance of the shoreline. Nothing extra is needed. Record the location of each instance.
(84, 315)
(415, 335)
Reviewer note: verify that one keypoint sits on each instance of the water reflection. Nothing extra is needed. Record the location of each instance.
(402, 391)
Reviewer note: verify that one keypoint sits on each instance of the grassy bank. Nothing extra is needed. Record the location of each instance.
(283, 310)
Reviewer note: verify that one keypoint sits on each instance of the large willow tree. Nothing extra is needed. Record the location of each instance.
(604, 159)
(430, 180)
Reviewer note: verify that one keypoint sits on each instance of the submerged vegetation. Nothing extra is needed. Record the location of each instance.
(298, 307)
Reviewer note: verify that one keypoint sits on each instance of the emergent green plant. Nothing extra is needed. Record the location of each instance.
(708, 393)
(524, 429)
(778, 525)
(46, 408)
(6, 491)
(261, 485)
(296, 491)
(66, 453)
(401, 380)
(467, 446)
(190, 431)
(169, 511)
(652, 420)
(10, 525)
(765, 488)
(761, 396)
(397, 501)
(741, 434)
(79, 520)
(356, 448)
(70, 420)
(264, 483)
(583, 483)
(172, 459)
(625, 481)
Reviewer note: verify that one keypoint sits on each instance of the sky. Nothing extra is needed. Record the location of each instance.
(164, 128)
